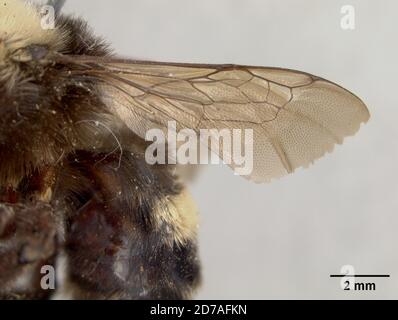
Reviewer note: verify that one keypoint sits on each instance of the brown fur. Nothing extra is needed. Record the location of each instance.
(125, 228)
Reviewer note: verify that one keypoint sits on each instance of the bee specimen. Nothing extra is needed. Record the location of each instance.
(75, 189)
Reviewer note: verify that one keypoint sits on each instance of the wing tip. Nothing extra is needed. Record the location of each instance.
(366, 116)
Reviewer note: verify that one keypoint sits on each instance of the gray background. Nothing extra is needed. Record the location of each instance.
(282, 240)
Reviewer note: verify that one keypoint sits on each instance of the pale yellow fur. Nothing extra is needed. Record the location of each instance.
(20, 26)
(181, 215)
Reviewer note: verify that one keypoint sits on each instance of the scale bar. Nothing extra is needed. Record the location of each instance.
(360, 275)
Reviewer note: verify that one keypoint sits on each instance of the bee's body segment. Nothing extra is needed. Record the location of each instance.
(126, 232)
(118, 243)
(20, 26)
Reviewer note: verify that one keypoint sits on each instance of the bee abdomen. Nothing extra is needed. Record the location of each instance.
(135, 235)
